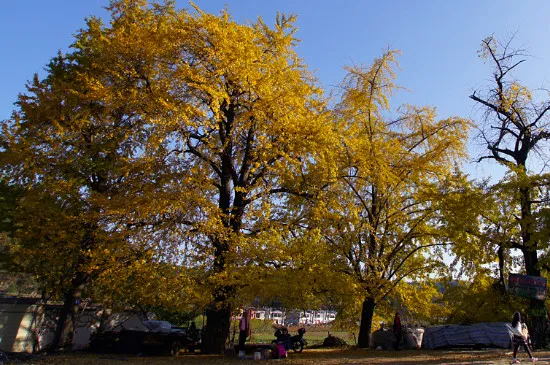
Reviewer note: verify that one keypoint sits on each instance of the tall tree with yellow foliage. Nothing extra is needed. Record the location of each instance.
(250, 128)
(75, 142)
(515, 130)
(169, 139)
(382, 220)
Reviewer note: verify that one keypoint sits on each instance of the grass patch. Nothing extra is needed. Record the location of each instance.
(312, 337)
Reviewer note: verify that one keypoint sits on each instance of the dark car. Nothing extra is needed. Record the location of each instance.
(156, 337)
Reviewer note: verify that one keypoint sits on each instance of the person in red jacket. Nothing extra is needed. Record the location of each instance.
(397, 330)
(244, 331)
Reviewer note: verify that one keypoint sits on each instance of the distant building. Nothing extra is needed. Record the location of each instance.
(278, 317)
(290, 318)
(317, 317)
(275, 315)
(259, 314)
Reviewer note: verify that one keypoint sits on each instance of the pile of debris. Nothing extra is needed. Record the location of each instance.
(333, 341)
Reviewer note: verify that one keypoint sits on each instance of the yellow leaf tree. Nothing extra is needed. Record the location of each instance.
(382, 221)
(77, 145)
(181, 137)
(248, 128)
(515, 131)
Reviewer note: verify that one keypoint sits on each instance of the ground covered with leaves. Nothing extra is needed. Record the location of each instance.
(309, 356)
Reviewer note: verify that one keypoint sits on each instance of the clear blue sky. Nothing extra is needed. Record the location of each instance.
(439, 40)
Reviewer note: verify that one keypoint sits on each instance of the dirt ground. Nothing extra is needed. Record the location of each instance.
(309, 356)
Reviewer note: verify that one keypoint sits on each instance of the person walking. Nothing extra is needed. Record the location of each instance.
(244, 331)
(519, 339)
(397, 330)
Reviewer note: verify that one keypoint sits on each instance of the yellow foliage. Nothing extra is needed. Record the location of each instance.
(380, 217)
(170, 142)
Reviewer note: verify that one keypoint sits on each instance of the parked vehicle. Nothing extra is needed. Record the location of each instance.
(295, 343)
(155, 336)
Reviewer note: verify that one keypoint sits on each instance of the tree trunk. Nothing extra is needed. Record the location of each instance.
(70, 307)
(527, 227)
(539, 324)
(531, 262)
(216, 331)
(68, 302)
(218, 313)
(538, 328)
(530, 256)
(366, 322)
(502, 281)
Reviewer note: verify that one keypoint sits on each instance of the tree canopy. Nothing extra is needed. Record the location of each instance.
(380, 213)
(181, 160)
(166, 146)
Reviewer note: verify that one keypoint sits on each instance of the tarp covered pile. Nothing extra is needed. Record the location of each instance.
(497, 334)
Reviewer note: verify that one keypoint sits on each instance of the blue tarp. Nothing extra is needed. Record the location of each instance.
(496, 334)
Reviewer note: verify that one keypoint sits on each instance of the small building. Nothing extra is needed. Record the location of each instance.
(259, 314)
(278, 317)
(317, 316)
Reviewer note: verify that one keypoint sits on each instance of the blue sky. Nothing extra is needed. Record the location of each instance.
(439, 40)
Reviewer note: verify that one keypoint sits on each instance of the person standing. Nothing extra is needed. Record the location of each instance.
(244, 331)
(193, 331)
(397, 330)
(519, 338)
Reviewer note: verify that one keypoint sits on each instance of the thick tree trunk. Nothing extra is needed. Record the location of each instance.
(68, 302)
(218, 313)
(70, 307)
(216, 331)
(366, 322)
(526, 224)
(538, 327)
(531, 262)
(539, 324)
(502, 281)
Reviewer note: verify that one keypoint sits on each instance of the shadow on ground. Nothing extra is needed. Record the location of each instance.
(309, 356)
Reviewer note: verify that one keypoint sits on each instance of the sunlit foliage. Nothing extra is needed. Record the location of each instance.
(380, 216)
